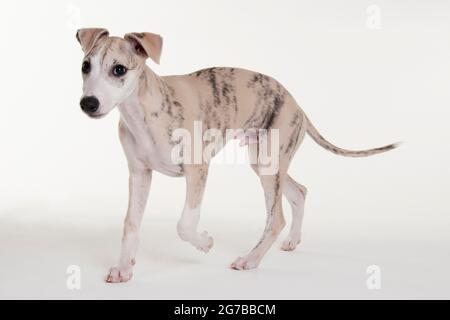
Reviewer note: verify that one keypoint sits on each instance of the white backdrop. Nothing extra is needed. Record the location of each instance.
(63, 177)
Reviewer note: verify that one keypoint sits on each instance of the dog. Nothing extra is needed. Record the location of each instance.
(115, 75)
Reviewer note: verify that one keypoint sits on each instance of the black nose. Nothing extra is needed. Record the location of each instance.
(89, 104)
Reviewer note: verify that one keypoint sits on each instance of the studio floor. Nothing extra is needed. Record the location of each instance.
(330, 264)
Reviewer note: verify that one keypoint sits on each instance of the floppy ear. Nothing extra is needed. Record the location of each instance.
(88, 37)
(147, 44)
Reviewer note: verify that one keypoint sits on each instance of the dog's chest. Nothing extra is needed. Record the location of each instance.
(145, 147)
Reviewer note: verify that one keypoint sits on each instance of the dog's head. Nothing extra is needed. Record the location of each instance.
(112, 67)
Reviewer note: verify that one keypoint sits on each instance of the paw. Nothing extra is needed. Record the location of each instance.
(204, 243)
(290, 244)
(118, 275)
(244, 264)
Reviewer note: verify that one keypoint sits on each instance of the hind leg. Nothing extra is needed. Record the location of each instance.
(295, 194)
(289, 131)
(272, 186)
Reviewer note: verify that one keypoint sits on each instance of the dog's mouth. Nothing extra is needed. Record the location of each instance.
(96, 116)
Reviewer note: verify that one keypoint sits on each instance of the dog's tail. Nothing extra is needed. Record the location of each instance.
(315, 135)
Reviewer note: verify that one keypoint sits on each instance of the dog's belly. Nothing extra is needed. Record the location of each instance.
(158, 158)
(163, 166)
(169, 170)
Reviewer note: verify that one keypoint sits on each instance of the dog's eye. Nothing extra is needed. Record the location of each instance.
(86, 67)
(119, 70)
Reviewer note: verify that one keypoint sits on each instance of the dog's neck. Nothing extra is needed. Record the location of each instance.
(145, 100)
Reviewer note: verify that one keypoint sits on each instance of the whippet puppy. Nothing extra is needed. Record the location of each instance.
(151, 108)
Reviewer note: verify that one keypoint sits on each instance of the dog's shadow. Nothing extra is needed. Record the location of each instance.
(29, 241)
(95, 243)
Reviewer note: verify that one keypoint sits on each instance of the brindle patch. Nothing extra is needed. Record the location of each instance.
(296, 123)
(220, 109)
(293, 139)
(171, 107)
(270, 98)
(295, 119)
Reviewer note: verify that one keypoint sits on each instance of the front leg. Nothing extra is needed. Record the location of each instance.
(140, 180)
(187, 226)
